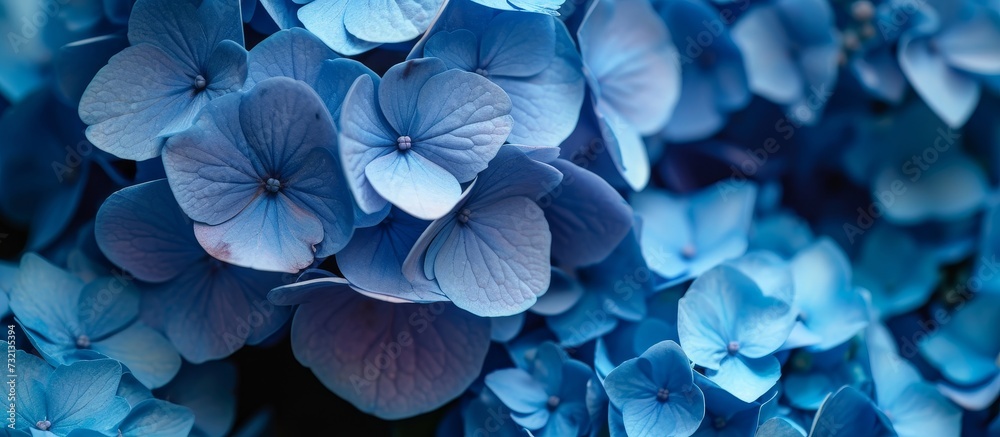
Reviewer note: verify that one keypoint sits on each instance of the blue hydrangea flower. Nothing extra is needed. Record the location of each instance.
(69, 321)
(633, 73)
(687, 235)
(732, 320)
(490, 253)
(57, 401)
(208, 309)
(183, 55)
(656, 393)
(791, 52)
(353, 27)
(405, 360)
(412, 139)
(548, 400)
(259, 176)
(713, 79)
(826, 301)
(946, 50)
(530, 56)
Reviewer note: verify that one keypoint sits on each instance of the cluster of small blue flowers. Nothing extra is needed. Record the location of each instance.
(539, 217)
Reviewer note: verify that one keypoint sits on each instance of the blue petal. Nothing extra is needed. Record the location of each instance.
(771, 70)
(283, 12)
(414, 184)
(32, 375)
(141, 229)
(325, 18)
(746, 378)
(374, 258)
(518, 390)
(951, 94)
(460, 120)
(156, 418)
(550, 7)
(829, 305)
(586, 321)
(82, 395)
(628, 52)
(973, 45)
(850, 413)
(319, 187)
(187, 30)
(518, 45)
(365, 135)
(389, 20)
(431, 355)
(294, 53)
(212, 310)
(457, 49)
(563, 293)
(146, 352)
(504, 329)
(107, 305)
(779, 427)
(45, 300)
(496, 264)
(545, 107)
(141, 91)
(334, 81)
(587, 217)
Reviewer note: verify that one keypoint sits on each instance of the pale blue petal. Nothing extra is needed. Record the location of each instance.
(563, 293)
(973, 45)
(106, 306)
(294, 53)
(45, 300)
(146, 352)
(82, 395)
(747, 378)
(271, 234)
(771, 71)
(319, 186)
(518, 390)
(497, 263)
(457, 49)
(400, 86)
(461, 120)
(187, 30)
(365, 135)
(414, 184)
(951, 94)
(389, 20)
(156, 418)
(325, 19)
(334, 81)
(627, 51)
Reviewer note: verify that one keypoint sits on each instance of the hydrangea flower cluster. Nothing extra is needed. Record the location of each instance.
(501, 217)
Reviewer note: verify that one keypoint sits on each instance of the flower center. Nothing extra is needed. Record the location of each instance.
(553, 402)
(662, 395)
(689, 251)
(463, 216)
(482, 72)
(719, 422)
(83, 342)
(404, 143)
(733, 347)
(200, 83)
(43, 425)
(272, 185)
(863, 10)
